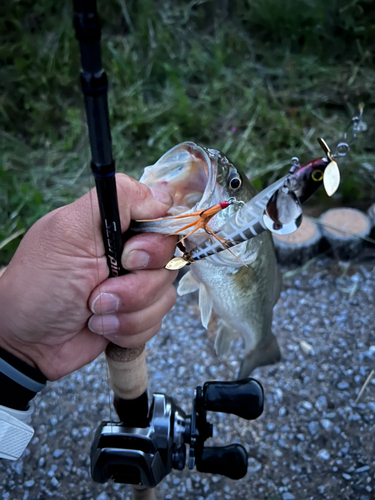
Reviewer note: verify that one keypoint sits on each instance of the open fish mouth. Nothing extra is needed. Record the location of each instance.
(188, 174)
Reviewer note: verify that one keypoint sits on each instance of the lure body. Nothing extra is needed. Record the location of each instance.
(277, 208)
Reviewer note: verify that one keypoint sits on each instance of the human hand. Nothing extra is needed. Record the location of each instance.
(58, 309)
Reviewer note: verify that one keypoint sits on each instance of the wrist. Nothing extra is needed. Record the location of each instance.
(19, 382)
(17, 352)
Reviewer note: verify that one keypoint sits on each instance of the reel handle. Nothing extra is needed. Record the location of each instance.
(229, 461)
(244, 398)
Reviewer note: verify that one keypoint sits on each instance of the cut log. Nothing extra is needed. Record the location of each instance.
(344, 229)
(300, 246)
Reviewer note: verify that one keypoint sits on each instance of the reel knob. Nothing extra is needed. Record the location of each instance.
(229, 461)
(244, 398)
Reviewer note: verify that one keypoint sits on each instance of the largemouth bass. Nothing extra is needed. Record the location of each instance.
(241, 288)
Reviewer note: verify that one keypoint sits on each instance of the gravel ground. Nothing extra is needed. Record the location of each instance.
(312, 441)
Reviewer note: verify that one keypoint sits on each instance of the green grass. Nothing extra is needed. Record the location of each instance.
(260, 80)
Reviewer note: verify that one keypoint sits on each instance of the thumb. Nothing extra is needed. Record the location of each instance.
(135, 200)
(138, 201)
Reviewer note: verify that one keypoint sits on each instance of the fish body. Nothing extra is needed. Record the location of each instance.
(241, 287)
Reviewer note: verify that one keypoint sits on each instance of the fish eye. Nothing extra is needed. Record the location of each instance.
(235, 182)
(317, 175)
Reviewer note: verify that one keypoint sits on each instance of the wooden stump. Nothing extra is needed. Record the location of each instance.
(300, 246)
(343, 229)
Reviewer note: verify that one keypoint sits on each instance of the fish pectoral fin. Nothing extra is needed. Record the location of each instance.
(249, 258)
(188, 284)
(205, 304)
(223, 339)
(261, 355)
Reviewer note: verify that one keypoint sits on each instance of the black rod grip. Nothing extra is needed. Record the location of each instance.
(110, 220)
(244, 398)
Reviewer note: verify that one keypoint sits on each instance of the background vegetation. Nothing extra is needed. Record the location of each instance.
(258, 79)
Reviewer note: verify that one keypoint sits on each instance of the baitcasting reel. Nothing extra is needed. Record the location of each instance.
(145, 455)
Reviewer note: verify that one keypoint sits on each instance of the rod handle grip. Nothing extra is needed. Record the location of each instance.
(128, 371)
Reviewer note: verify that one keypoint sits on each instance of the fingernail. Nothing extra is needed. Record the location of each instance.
(105, 303)
(103, 324)
(162, 196)
(136, 259)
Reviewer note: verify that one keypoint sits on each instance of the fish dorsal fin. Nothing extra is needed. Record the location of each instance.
(205, 304)
(223, 338)
(188, 284)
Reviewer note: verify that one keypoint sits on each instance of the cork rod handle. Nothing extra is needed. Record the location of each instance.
(128, 371)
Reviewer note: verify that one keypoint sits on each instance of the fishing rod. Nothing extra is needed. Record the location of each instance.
(151, 437)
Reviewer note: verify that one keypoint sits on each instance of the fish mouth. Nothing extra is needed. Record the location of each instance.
(188, 174)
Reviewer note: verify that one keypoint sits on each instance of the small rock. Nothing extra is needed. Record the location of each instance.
(343, 385)
(313, 427)
(307, 405)
(365, 468)
(55, 482)
(321, 489)
(29, 483)
(287, 496)
(323, 454)
(102, 496)
(321, 403)
(253, 465)
(282, 411)
(52, 470)
(58, 453)
(371, 405)
(347, 476)
(306, 347)
(86, 431)
(17, 467)
(326, 424)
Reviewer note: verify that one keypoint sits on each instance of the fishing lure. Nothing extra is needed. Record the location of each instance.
(278, 207)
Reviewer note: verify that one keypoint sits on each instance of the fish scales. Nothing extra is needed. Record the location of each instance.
(242, 293)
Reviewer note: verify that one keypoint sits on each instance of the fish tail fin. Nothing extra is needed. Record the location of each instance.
(267, 354)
